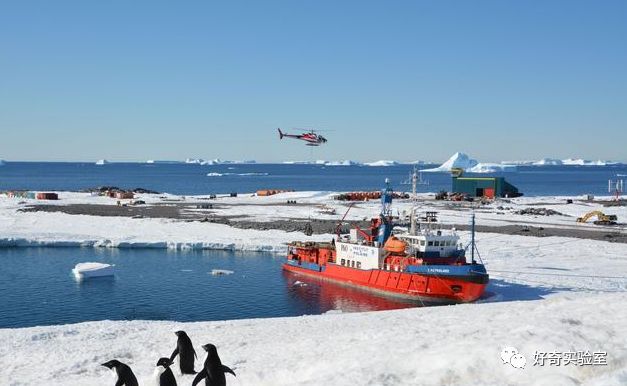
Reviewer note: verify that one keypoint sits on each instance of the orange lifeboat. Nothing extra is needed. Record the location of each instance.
(394, 245)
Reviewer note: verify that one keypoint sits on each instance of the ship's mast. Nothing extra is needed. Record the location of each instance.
(472, 238)
(385, 227)
(386, 200)
(412, 217)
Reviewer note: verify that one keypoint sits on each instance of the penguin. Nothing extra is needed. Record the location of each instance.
(167, 377)
(185, 350)
(213, 370)
(125, 374)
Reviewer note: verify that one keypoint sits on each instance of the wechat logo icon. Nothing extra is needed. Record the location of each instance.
(513, 357)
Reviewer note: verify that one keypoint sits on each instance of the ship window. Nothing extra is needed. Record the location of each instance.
(422, 243)
(359, 264)
(353, 263)
(343, 261)
(430, 243)
(436, 243)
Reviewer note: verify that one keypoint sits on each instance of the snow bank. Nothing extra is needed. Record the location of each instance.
(450, 345)
(63, 230)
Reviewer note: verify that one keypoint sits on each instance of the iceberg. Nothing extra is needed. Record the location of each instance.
(382, 163)
(583, 162)
(570, 162)
(548, 161)
(216, 161)
(87, 270)
(457, 160)
(463, 161)
(492, 168)
(102, 162)
(152, 161)
(324, 163)
(343, 163)
(518, 163)
(1, 162)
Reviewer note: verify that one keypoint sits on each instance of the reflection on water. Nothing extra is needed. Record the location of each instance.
(38, 288)
(323, 295)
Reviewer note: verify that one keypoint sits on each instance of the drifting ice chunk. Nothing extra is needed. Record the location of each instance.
(87, 270)
(219, 272)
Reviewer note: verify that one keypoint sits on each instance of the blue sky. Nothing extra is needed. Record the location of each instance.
(402, 80)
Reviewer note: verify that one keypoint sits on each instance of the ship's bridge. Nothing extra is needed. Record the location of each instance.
(428, 243)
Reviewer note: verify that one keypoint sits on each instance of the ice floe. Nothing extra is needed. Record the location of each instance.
(89, 270)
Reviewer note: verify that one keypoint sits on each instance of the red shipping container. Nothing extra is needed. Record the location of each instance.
(47, 196)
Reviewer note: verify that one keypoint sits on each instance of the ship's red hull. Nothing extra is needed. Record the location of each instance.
(407, 285)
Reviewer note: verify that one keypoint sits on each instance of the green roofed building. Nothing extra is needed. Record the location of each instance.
(490, 187)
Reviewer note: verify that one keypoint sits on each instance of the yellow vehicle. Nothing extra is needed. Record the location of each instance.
(602, 218)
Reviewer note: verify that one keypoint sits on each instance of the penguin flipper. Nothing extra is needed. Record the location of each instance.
(199, 377)
(226, 369)
(174, 354)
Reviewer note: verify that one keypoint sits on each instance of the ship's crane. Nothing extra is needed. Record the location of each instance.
(602, 218)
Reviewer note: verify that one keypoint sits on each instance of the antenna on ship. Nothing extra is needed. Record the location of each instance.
(472, 238)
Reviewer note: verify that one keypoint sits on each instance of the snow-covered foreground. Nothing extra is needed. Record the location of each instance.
(452, 345)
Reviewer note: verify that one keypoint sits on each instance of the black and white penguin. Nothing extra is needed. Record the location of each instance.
(125, 374)
(185, 350)
(166, 378)
(213, 370)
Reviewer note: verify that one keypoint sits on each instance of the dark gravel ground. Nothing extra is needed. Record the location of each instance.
(189, 212)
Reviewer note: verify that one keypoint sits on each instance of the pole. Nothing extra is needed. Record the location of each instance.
(472, 242)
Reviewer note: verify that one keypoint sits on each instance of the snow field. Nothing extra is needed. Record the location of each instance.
(448, 345)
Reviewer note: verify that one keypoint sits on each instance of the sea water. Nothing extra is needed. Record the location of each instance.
(190, 179)
(38, 288)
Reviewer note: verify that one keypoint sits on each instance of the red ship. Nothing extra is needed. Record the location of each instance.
(427, 263)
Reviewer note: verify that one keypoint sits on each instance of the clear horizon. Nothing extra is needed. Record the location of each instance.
(405, 81)
(304, 160)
